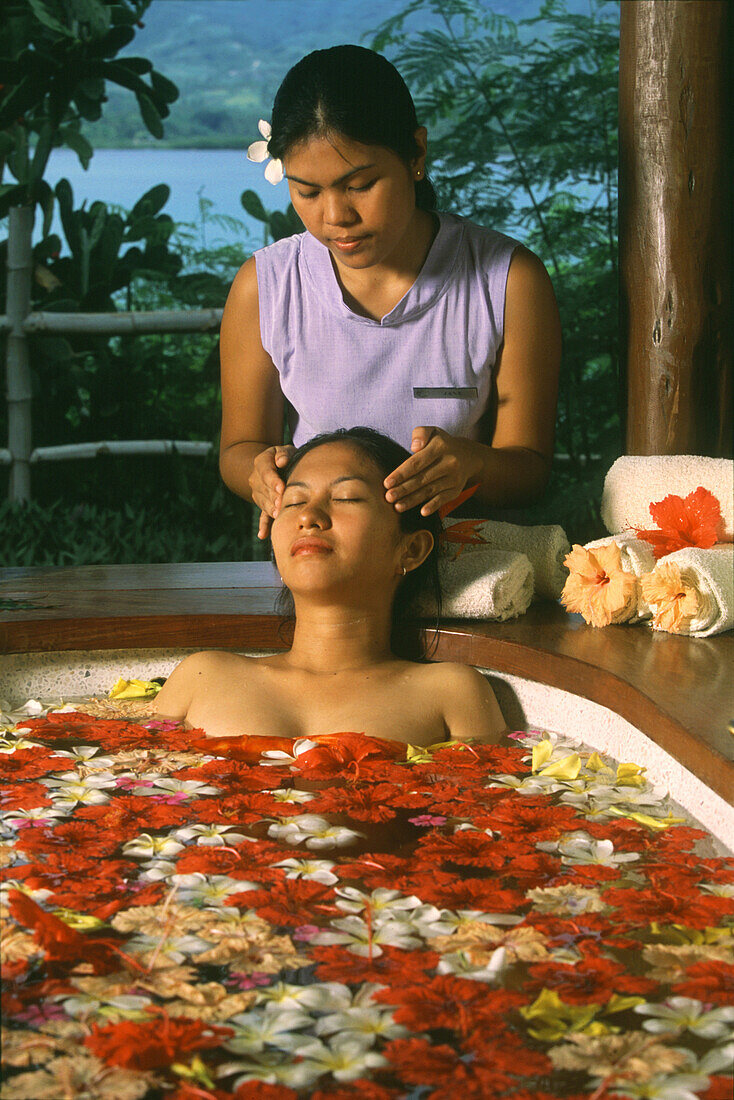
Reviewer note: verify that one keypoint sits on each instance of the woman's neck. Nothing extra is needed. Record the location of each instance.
(374, 291)
(336, 639)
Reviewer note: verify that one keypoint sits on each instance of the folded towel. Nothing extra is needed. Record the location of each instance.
(692, 591)
(638, 558)
(487, 584)
(634, 481)
(544, 547)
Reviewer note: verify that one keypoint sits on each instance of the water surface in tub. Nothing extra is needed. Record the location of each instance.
(352, 919)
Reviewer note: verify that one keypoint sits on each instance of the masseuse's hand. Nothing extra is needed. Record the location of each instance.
(267, 485)
(436, 472)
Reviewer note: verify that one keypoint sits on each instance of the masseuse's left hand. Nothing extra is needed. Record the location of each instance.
(436, 472)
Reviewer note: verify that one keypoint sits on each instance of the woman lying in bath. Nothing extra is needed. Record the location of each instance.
(352, 564)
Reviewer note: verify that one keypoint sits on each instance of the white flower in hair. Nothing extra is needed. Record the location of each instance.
(258, 152)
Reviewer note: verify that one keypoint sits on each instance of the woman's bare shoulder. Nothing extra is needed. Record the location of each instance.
(469, 705)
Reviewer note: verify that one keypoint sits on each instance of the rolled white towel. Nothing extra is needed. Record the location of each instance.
(634, 481)
(637, 557)
(491, 584)
(691, 591)
(545, 547)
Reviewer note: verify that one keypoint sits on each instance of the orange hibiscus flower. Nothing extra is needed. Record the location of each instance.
(674, 603)
(694, 520)
(597, 588)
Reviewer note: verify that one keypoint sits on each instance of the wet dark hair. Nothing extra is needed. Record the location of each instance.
(352, 91)
(420, 586)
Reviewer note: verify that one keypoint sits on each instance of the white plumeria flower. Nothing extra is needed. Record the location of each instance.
(346, 1058)
(290, 794)
(156, 870)
(362, 1020)
(215, 836)
(279, 757)
(718, 889)
(313, 870)
(208, 890)
(319, 997)
(86, 755)
(272, 1068)
(529, 784)
(378, 902)
(39, 896)
(11, 744)
(125, 1007)
(580, 848)
(686, 1013)
(70, 788)
(679, 1086)
(718, 1060)
(145, 846)
(14, 818)
(316, 832)
(258, 152)
(430, 921)
(254, 1030)
(459, 964)
(190, 787)
(174, 948)
(354, 934)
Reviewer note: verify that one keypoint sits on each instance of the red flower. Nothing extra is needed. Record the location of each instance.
(719, 1089)
(289, 901)
(393, 967)
(156, 1043)
(256, 1090)
(708, 981)
(590, 981)
(61, 943)
(343, 753)
(667, 907)
(25, 764)
(23, 796)
(449, 1002)
(446, 1072)
(468, 848)
(355, 1090)
(691, 521)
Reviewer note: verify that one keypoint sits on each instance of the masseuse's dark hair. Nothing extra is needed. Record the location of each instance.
(352, 91)
(419, 587)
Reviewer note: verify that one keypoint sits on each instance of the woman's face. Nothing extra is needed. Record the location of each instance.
(335, 531)
(358, 200)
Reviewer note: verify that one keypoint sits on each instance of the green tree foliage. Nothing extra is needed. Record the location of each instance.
(523, 129)
(57, 57)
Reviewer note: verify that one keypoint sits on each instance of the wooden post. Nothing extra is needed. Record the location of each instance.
(675, 231)
(17, 370)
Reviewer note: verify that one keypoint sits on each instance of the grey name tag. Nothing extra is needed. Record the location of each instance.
(465, 393)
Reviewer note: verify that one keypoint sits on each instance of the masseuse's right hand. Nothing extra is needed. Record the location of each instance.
(267, 485)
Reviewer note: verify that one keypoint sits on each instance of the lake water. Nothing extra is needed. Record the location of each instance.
(121, 176)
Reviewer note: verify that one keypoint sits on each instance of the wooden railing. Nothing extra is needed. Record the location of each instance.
(20, 323)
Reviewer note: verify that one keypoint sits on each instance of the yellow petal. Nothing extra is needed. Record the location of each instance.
(541, 752)
(568, 768)
(596, 764)
(134, 689)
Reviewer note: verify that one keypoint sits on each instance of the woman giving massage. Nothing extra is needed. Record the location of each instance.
(352, 564)
(442, 334)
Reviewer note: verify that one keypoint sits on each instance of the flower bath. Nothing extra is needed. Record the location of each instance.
(197, 919)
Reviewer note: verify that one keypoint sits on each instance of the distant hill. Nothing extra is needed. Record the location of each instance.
(228, 58)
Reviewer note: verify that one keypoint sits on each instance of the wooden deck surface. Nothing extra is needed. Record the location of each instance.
(677, 690)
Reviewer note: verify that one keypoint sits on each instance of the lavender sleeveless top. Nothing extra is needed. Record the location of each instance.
(428, 361)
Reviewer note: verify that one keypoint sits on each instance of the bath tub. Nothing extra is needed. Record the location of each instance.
(661, 701)
(212, 891)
